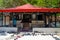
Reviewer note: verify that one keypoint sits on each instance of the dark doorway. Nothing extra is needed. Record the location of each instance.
(40, 17)
(26, 18)
(26, 22)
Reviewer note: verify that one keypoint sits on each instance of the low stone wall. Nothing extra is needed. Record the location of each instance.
(47, 30)
(8, 29)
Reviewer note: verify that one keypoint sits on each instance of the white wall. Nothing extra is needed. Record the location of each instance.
(8, 29)
(47, 30)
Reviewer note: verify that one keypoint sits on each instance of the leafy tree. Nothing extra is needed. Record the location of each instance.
(44, 3)
(12, 3)
(58, 4)
(52, 3)
(39, 3)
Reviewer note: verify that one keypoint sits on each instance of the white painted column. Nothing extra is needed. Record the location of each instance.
(3, 20)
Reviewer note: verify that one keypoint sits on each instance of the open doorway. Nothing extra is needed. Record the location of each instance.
(27, 18)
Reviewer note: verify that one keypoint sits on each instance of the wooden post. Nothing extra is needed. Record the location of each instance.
(55, 19)
(7, 20)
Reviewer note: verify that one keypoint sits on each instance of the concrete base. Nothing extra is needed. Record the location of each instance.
(8, 29)
(47, 30)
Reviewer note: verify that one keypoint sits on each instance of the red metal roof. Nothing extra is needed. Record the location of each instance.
(26, 6)
(30, 8)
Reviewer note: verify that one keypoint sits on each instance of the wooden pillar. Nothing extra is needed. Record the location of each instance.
(7, 20)
(4, 21)
(55, 19)
(1, 19)
(45, 20)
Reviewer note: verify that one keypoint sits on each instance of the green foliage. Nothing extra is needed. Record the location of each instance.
(39, 3)
(52, 3)
(44, 3)
(12, 3)
(1, 2)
